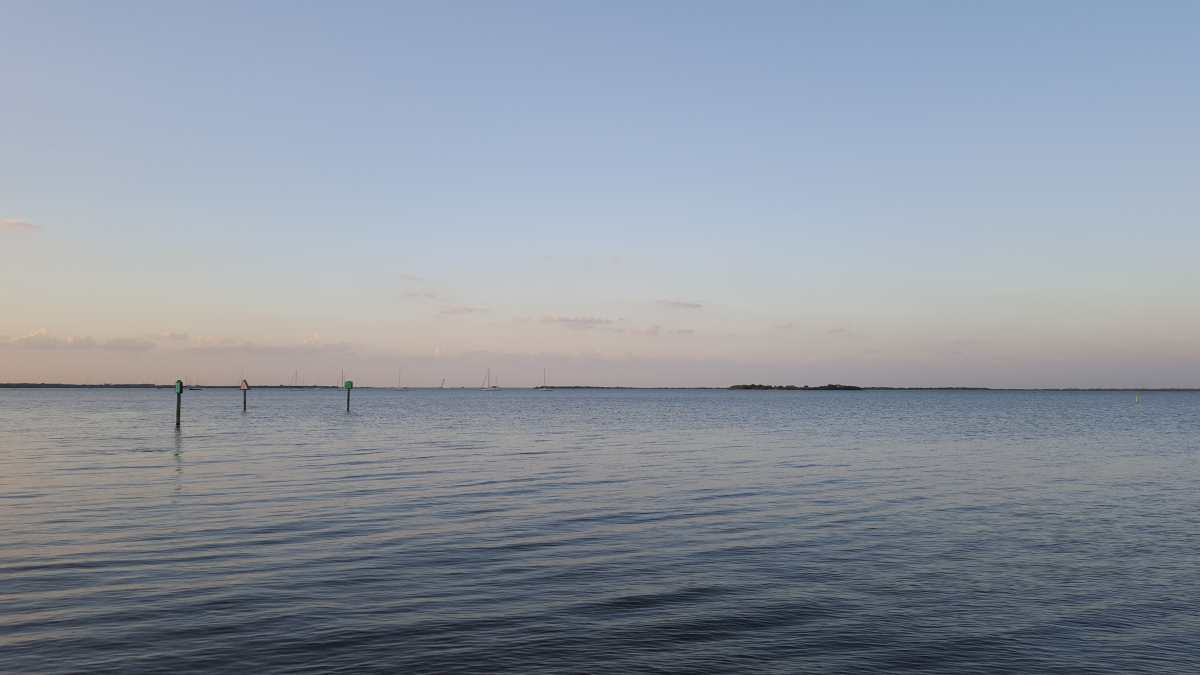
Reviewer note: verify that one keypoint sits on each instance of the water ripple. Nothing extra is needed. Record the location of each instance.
(599, 532)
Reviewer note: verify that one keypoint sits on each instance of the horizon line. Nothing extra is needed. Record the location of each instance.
(153, 385)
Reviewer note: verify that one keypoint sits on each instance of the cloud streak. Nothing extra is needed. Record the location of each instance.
(578, 322)
(18, 226)
(461, 310)
(306, 348)
(679, 304)
(421, 295)
(127, 345)
(43, 340)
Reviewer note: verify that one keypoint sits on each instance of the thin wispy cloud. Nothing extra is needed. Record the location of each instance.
(308, 347)
(38, 339)
(651, 331)
(578, 322)
(18, 226)
(42, 340)
(679, 304)
(421, 295)
(460, 310)
(204, 341)
(127, 344)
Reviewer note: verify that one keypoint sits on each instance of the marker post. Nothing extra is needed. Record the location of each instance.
(349, 385)
(245, 388)
(178, 400)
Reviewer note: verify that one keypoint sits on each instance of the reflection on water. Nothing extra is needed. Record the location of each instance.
(178, 461)
(599, 532)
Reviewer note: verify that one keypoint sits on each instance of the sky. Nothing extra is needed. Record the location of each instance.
(653, 194)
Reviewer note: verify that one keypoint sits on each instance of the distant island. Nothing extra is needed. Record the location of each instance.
(792, 387)
(739, 387)
(118, 385)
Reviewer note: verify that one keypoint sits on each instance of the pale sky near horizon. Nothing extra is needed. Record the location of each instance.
(920, 193)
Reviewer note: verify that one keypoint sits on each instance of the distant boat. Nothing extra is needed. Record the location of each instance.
(543, 387)
(194, 386)
(487, 382)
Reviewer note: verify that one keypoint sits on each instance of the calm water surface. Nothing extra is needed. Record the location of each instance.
(599, 532)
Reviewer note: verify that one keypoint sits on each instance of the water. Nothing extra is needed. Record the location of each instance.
(599, 532)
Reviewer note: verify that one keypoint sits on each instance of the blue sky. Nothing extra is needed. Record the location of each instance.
(685, 193)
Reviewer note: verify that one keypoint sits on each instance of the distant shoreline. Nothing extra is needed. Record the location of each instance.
(737, 388)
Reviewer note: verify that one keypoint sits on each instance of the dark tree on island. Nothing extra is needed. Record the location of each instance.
(792, 387)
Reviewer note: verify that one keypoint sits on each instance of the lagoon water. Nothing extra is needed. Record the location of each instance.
(599, 532)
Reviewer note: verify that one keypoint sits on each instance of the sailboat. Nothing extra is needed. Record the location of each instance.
(194, 386)
(487, 382)
(544, 387)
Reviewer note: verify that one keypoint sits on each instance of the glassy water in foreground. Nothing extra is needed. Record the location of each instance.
(599, 532)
